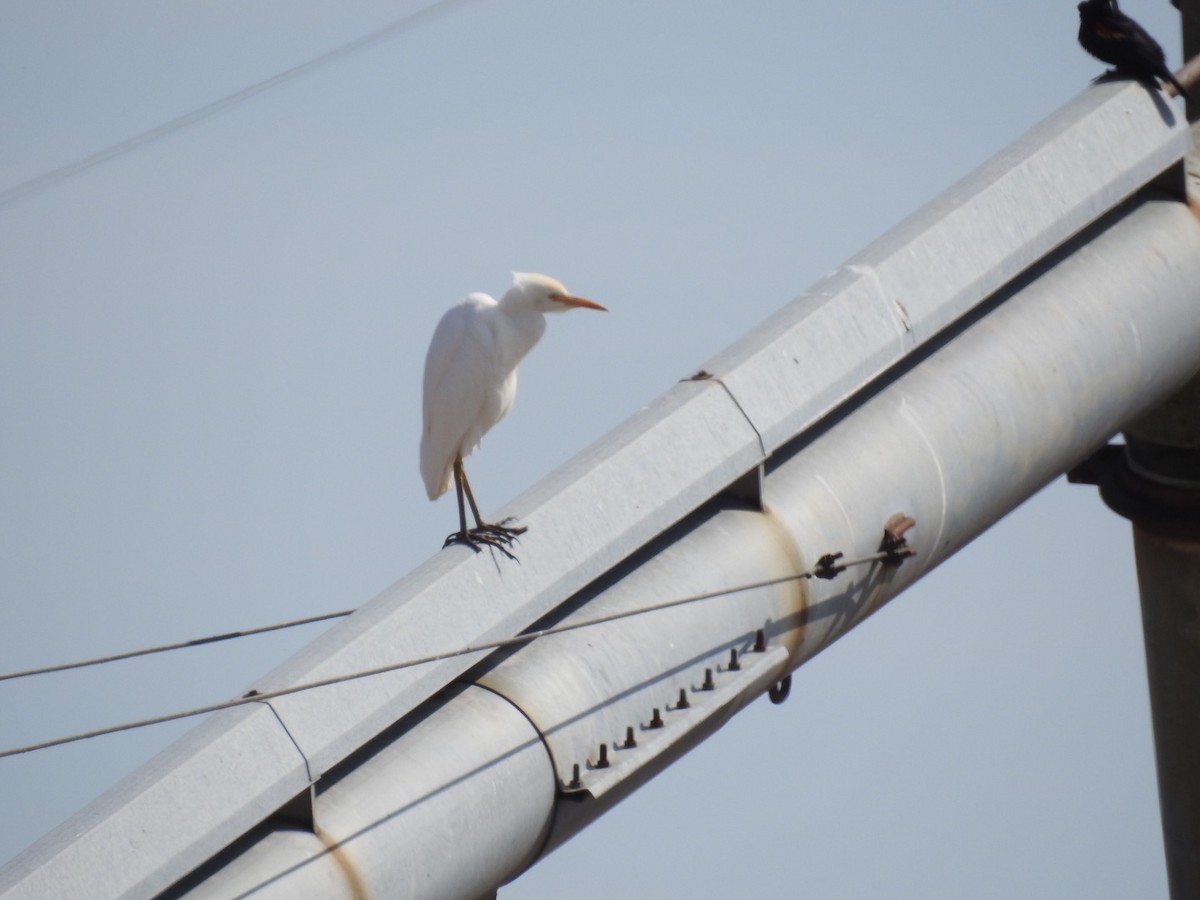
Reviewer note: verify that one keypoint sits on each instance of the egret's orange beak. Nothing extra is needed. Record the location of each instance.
(572, 300)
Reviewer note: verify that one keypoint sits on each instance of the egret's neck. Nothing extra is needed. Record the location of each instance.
(522, 329)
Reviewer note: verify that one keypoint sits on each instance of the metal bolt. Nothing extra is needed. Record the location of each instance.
(657, 720)
(683, 700)
(734, 665)
(760, 641)
(574, 782)
(602, 762)
(630, 740)
(708, 681)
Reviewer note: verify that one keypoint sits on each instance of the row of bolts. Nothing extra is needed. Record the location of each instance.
(894, 550)
(778, 693)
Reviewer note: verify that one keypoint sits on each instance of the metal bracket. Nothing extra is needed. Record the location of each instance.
(1130, 492)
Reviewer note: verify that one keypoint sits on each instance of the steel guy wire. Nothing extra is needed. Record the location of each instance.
(827, 567)
(178, 645)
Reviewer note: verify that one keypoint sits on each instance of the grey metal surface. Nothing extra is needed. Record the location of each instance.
(1164, 454)
(1168, 565)
(257, 871)
(1015, 400)
(938, 263)
(645, 476)
(956, 442)
(691, 443)
(587, 687)
(452, 808)
(135, 840)
(582, 519)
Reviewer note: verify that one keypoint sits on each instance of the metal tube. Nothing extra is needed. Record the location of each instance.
(956, 442)
(453, 807)
(1168, 565)
(847, 334)
(1155, 481)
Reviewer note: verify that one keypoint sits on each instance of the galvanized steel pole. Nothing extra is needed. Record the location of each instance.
(870, 395)
(1154, 480)
(1168, 564)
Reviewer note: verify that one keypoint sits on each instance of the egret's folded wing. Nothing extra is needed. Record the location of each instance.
(460, 371)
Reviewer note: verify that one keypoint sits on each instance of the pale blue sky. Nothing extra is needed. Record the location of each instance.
(210, 358)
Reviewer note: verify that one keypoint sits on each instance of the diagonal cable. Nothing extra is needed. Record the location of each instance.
(178, 645)
(158, 132)
(824, 569)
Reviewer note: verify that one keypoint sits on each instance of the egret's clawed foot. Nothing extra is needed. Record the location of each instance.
(501, 530)
(499, 535)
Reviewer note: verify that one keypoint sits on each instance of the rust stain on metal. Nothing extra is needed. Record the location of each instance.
(1193, 192)
(337, 851)
(794, 558)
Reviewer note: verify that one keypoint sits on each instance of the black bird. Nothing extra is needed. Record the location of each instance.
(1112, 37)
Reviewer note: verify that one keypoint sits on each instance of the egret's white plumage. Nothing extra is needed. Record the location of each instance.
(471, 374)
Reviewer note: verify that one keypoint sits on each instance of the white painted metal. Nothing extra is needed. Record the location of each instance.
(130, 841)
(669, 460)
(940, 262)
(694, 441)
(582, 520)
(956, 442)
(600, 681)
(476, 815)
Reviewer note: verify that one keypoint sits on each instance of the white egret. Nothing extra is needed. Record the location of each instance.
(470, 383)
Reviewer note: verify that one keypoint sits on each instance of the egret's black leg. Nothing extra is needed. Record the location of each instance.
(463, 535)
(501, 530)
(499, 535)
(460, 475)
(462, 512)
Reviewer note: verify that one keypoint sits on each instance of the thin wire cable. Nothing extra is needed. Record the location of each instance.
(259, 696)
(158, 132)
(178, 645)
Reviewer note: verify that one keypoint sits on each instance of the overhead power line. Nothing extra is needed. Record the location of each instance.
(62, 173)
